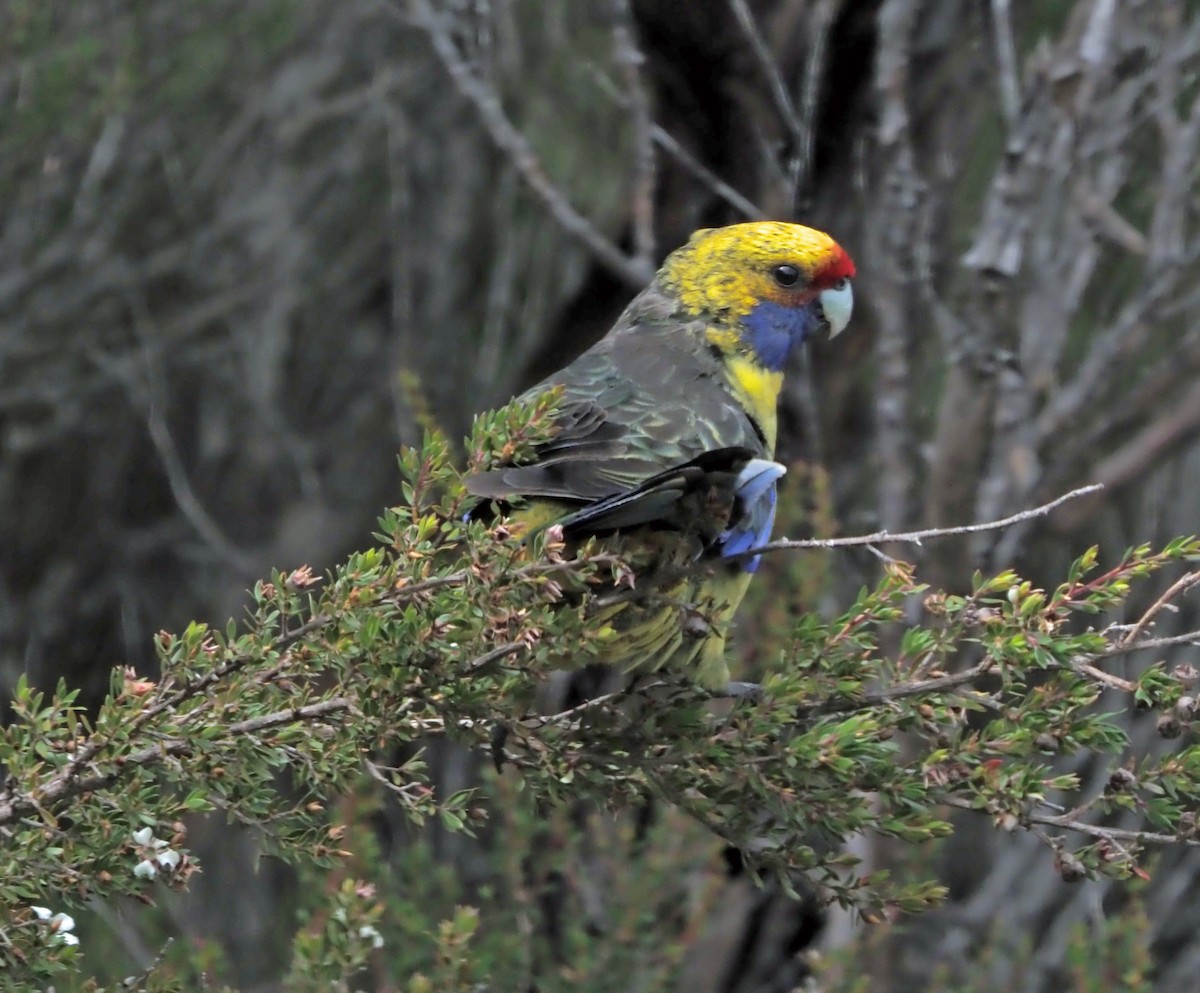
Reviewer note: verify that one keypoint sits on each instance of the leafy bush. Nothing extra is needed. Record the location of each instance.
(445, 630)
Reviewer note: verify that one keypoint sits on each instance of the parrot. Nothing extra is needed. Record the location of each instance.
(663, 438)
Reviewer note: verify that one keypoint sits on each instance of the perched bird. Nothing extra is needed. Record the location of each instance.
(665, 433)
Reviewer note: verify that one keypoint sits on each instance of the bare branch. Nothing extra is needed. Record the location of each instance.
(1130, 462)
(510, 141)
(1006, 64)
(564, 716)
(1070, 823)
(901, 691)
(895, 265)
(630, 58)
(65, 784)
(1085, 668)
(1170, 641)
(671, 146)
(916, 537)
(146, 391)
(1177, 588)
(779, 91)
(810, 97)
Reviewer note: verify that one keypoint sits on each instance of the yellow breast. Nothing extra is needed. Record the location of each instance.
(758, 390)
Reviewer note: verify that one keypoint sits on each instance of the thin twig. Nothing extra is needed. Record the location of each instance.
(671, 146)
(630, 58)
(666, 577)
(1006, 64)
(916, 537)
(938, 684)
(63, 785)
(1087, 669)
(487, 658)
(779, 91)
(1190, 638)
(1069, 823)
(510, 141)
(1177, 588)
(541, 720)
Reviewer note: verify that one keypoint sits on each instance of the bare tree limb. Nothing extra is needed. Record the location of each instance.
(917, 537)
(1177, 588)
(1006, 65)
(1069, 823)
(629, 57)
(895, 266)
(672, 147)
(510, 141)
(779, 91)
(824, 14)
(1131, 461)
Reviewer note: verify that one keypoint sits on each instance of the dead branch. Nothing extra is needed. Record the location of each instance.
(511, 142)
(917, 537)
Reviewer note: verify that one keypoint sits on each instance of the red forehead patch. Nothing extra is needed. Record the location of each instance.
(836, 265)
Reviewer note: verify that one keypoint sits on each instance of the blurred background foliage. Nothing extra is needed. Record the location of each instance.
(248, 248)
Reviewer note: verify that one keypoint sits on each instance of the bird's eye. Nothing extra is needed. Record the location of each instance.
(786, 275)
(841, 284)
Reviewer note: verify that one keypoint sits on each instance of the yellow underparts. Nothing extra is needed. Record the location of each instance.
(678, 614)
(681, 627)
(758, 391)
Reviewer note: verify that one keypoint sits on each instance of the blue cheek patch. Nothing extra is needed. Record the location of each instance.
(755, 492)
(773, 330)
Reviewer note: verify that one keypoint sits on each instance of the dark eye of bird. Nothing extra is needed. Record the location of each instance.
(841, 283)
(786, 275)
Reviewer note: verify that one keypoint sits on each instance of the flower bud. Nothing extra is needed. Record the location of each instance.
(1121, 781)
(1168, 726)
(1187, 674)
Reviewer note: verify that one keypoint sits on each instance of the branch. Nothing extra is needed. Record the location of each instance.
(900, 691)
(66, 785)
(509, 140)
(824, 14)
(1189, 638)
(630, 58)
(1006, 65)
(666, 577)
(1179, 587)
(671, 146)
(1069, 823)
(917, 537)
(1131, 461)
(779, 90)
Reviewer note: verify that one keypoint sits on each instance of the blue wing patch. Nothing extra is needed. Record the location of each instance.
(755, 490)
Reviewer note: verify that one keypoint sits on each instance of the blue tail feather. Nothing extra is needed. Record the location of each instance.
(755, 490)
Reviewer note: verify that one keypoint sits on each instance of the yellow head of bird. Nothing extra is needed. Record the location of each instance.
(763, 287)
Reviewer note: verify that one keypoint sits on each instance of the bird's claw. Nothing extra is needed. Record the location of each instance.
(735, 690)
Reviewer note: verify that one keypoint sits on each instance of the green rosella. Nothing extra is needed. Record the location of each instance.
(665, 434)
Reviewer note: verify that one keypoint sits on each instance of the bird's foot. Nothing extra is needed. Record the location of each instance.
(499, 737)
(735, 690)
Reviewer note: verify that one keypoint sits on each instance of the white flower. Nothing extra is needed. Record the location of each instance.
(370, 931)
(60, 925)
(160, 854)
(168, 859)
